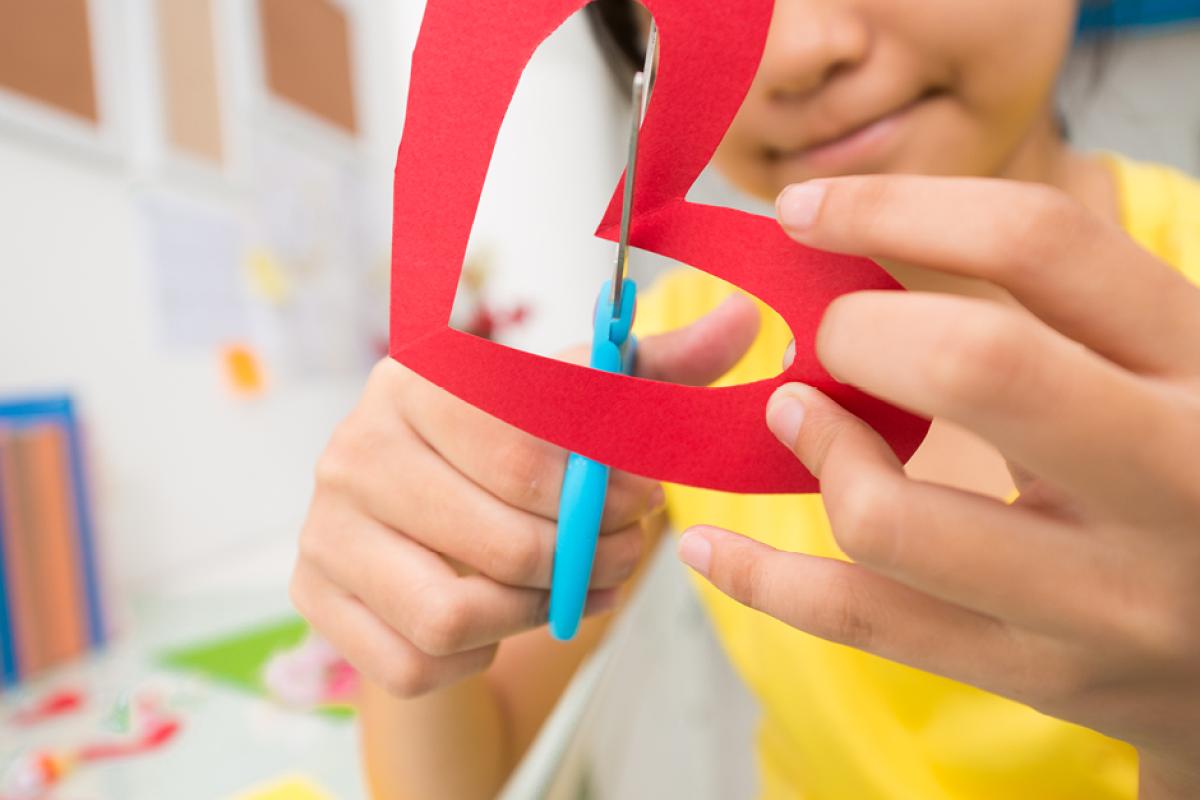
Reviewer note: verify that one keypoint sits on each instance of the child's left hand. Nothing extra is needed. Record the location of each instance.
(1082, 598)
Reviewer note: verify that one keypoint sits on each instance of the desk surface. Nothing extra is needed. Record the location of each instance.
(230, 740)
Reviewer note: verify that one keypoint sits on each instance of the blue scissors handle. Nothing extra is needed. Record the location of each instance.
(585, 484)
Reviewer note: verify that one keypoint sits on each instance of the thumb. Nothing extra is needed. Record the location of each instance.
(703, 351)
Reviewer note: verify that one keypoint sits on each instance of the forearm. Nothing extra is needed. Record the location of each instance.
(464, 741)
(450, 743)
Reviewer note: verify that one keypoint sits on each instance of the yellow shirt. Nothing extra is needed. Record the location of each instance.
(839, 724)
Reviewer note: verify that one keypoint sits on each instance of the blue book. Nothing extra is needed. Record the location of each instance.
(8, 639)
(84, 529)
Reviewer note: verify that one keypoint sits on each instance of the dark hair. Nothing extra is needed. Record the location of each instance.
(614, 23)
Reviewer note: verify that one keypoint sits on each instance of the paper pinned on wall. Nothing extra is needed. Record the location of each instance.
(196, 255)
(268, 280)
(308, 269)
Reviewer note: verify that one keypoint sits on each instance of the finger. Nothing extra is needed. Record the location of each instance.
(1045, 402)
(517, 468)
(1009, 563)
(703, 351)
(850, 605)
(371, 646)
(417, 594)
(452, 516)
(1081, 274)
(1042, 496)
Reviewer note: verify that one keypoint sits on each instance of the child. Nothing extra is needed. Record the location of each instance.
(1049, 337)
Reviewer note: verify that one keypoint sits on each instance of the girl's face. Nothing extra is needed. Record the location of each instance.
(919, 86)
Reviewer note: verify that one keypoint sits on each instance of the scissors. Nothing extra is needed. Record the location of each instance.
(614, 349)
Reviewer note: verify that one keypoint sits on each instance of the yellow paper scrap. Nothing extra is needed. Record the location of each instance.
(267, 278)
(243, 369)
(294, 787)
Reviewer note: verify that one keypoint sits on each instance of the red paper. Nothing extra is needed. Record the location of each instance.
(468, 60)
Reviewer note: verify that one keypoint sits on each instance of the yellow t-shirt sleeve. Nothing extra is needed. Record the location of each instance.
(1160, 209)
(677, 299)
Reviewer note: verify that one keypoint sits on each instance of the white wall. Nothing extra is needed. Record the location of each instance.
(186, 474)
(1140, 97)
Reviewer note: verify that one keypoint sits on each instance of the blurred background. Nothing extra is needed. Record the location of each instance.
(195, 204)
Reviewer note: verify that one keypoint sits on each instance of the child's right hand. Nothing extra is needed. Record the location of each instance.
(430, 536)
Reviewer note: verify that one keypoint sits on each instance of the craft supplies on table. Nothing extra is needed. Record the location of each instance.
(176, 708)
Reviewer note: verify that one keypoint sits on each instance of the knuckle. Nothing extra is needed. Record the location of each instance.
(1061, 686)
(1044, 675)
(819, 437)
(441, 626)
(356, 446)
(516, 556)
(846, 618)
(864, 522)
(346, 455)
(630, 497)
(313, 546)
(539, 610)
(298, 594)
(1163, 628)
(1047, 220)
(618, 555)
(386, 372)
(633, 545)
(333, 470)
(743, 575)
(524, 474)
(408, 677)
(976, 359)
(866, 199)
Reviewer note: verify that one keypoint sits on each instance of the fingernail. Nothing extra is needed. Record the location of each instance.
(695, 551)
(798, 205)
(785, 415)
(789, 355)
(658, 499)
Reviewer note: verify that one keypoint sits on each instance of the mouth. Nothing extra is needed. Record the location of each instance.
(854, 144)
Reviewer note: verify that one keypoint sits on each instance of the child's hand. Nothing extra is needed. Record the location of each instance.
(1082, 599)
(430, 537)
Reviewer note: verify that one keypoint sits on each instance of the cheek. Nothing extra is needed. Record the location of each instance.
(740, 160)
(999, 62)
(1009, 58)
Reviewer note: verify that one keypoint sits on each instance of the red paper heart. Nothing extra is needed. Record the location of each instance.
(468, 60)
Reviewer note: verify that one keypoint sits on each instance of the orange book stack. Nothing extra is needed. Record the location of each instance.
(49, 593)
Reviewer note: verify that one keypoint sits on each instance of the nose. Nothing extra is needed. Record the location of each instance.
(809, 43)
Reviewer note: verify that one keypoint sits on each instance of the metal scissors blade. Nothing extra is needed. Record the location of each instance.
(642, 84)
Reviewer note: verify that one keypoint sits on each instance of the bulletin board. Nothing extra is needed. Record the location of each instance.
(46, 55)
(190, 89)
(307, 58)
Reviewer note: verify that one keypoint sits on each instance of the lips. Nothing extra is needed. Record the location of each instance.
(845, 135)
